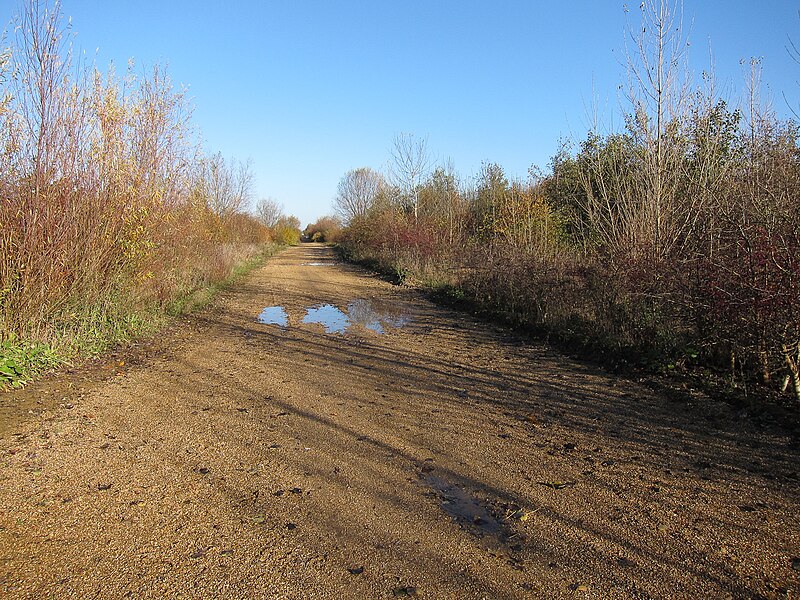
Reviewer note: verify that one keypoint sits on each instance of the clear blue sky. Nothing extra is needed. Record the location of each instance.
(309, 89)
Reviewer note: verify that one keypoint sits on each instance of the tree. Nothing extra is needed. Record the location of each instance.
(442, 203)
(658, 94)
(564, 192)
(410, 164)
(227, 185)
(324, 229)
(268, 211)
(491, 191)
(42, 69)
(287, 230)
(357, 192)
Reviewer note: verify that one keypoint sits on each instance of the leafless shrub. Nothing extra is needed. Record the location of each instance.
(107, 206)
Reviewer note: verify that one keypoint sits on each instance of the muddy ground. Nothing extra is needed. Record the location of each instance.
(418, 453)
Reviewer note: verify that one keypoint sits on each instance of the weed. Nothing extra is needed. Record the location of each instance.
(20, 361)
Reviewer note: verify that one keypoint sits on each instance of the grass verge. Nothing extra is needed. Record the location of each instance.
(93, 330)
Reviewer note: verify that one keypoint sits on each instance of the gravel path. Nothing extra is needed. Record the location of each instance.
(419, 453)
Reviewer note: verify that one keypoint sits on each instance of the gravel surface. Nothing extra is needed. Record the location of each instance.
(441, 458)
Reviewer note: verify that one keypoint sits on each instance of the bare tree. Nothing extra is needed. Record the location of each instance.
(220, 184)
(42, 67)
(357, 193)
(631, 181)
(268, 211)
(658, 93)
(410, 165)
(228, 185)
(794, 53)
(244, 179)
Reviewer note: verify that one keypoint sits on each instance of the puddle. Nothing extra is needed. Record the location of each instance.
(465, 509)
(375, 316)
(317, 264)
(372, 317)
(330, 317)
(274, 315)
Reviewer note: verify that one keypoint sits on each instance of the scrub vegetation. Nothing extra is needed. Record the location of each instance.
(325, 229)
(672, 242)
(111, 214)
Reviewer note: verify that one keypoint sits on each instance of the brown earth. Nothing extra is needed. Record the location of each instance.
(444, 458)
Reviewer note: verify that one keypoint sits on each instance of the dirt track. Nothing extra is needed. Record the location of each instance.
(441, 459)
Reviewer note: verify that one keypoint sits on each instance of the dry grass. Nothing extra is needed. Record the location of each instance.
(109, 210)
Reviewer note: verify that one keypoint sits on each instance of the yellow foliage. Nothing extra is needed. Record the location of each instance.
(522, 217)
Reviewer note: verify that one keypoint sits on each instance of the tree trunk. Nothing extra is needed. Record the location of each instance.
(792, 356)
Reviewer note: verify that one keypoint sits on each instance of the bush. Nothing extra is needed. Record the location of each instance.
(325, 229)
(108, 210)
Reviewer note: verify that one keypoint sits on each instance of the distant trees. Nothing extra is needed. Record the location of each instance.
(325, 229)
(286, 230)
(358, 191)
(283, 229)
(268, 211)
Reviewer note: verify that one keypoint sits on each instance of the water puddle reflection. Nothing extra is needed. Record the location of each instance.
(274, 315)
(375, 316)
(318, 264)
(330, 317)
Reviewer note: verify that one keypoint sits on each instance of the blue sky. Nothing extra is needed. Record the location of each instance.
(310, 89)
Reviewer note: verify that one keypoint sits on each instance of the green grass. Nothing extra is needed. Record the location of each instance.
(20, 361)
(90, 331)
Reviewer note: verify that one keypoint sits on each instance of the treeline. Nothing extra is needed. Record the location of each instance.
(674, 241)
(109, 208)
(283, 229)
(325, 229)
